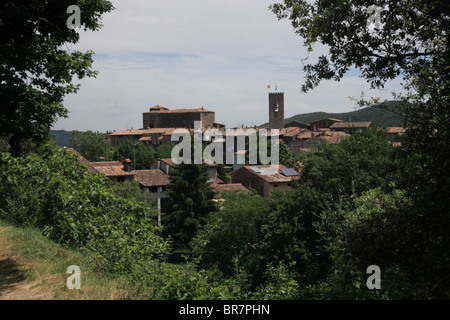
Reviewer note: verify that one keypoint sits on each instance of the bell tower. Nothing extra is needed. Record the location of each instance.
(276, 110)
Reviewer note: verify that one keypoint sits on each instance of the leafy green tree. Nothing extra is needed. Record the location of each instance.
(91, 145)
(363, 161)
(36, 68)
(142, 157)
(287, 158)
(74, 206)
(132, 190)
(411, 42)
(191, 201)
(164, 151)
(231, 232)
(411, 33)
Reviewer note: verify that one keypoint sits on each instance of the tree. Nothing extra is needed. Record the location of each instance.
(230, 233)
(191, 201)
(287, 158)
(91, 145)
(412, 42)
(363, 161)
(142, 157)
(36, 67)
(411, 33)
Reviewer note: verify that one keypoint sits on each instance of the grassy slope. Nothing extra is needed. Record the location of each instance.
(33, 267)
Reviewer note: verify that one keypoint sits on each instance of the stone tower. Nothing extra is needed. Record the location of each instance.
(276, 110)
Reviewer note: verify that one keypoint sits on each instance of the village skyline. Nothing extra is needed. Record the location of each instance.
(200, 58)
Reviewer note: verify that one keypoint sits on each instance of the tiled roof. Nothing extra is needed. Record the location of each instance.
(361, 124)
(332, 119)
(80, 157)
(167, 160)
(293, 131)
(139, 132)
(109, 168)
(151, 178)
(228, 187)
(165, 110)
(395, 129)
(272, 177)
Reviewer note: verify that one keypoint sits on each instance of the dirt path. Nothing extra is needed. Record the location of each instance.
(13, 270)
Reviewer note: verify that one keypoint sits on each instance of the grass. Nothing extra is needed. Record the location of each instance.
(36, 267)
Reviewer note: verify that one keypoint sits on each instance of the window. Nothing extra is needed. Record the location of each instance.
(276, 107)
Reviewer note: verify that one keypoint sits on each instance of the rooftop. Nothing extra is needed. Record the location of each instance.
(361, 124)
(110, 168)
(151, 178)
(219, 187)
(160, 109)
(269, 174)
(140, 132)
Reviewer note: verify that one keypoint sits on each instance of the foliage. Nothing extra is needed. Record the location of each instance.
(287, 158)
(230, 233)
(36, 70)
(281, 284)
(142, 157)
(288, 234)
(132, 190)
(73, 206)
(91, 145)
(411, 31)
(358, 163)
(412, 42)
(388, 116)
(191, 201)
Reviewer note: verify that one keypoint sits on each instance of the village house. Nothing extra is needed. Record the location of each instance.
(251, 177)
(161, 117)
(150, 137)
(351, 126)
(114, 170)
(323, 123)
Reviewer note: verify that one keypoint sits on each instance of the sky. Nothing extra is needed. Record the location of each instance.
(216, 54)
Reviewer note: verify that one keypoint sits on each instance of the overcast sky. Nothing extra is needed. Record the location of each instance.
(216, 54)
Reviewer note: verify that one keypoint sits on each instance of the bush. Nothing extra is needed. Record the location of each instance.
(76, 207)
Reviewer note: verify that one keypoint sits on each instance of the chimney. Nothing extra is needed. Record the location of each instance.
(127, 165)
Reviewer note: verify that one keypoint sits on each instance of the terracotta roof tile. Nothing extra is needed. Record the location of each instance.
(273, 177)
(229, 187)
(151, 178)
(361, 124)
(109, 168)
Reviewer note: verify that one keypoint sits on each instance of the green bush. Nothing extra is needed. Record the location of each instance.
(76, 207)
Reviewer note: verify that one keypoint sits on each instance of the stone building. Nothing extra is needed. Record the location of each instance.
(276, 110)
(161, 117)
(251, 177)
(323, 123)
(153, 137)
(351, 126)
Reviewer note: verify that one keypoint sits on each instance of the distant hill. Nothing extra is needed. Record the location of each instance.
(379, 117)
(62, 137)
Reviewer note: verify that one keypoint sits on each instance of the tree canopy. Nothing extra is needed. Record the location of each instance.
(37, 67)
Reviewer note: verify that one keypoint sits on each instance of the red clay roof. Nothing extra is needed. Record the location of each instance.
(109, 168)
(395, 129)
(151, 178)
(361, 124)
(165, 110)
(80, 157)
(273, 177)
(141, 132)
(228, 187)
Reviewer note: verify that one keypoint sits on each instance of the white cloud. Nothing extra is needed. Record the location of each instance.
(218, 54)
